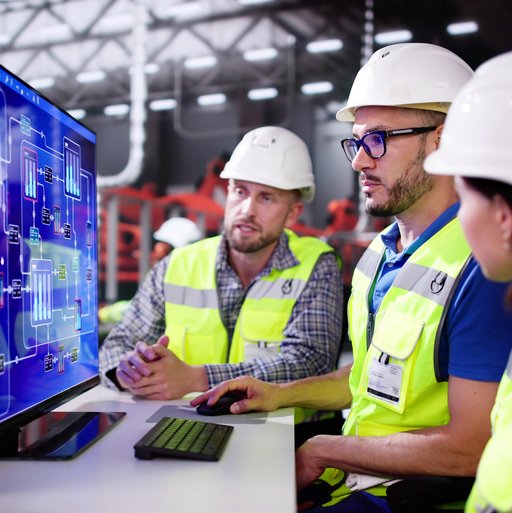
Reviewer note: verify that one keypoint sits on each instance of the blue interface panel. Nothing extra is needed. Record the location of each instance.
(48, 253)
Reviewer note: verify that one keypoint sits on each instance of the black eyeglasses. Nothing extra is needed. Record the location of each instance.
(374, 143)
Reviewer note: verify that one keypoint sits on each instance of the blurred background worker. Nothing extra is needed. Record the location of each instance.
(176, 232)
(256, 300)
(476, 149)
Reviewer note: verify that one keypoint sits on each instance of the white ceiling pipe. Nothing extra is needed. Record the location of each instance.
(138, 95)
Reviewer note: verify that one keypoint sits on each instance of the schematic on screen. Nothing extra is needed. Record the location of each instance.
(48, 253)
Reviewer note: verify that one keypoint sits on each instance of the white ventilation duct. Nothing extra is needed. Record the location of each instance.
(138, 95)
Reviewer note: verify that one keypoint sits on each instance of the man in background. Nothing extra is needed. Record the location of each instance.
(176, 232)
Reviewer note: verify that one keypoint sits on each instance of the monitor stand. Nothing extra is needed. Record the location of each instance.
(57, 435)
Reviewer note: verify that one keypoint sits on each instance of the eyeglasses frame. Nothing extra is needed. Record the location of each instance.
(384, 134)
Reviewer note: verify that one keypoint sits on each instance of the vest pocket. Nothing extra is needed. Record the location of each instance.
(263, 327)
(389, 360)
(258, 334)
(196, 349)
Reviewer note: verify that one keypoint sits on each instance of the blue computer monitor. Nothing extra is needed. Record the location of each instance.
(48, 274)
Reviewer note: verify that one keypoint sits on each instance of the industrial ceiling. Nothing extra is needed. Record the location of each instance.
(58, 40)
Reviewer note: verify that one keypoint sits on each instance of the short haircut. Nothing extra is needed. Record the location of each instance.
(428, 117)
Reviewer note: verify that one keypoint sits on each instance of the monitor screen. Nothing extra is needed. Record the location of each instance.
(48, 255)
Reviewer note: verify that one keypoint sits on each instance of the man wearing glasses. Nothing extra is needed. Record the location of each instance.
(422, 384)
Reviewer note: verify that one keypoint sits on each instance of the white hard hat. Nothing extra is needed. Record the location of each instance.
(273, 156)
(414, 75)
(476, 139)
(178, 231)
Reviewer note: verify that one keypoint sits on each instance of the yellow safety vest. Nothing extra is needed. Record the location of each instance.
(401, 342)
(492, 491)
(196, 332)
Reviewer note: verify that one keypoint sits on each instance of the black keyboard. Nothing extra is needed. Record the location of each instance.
(183, 438)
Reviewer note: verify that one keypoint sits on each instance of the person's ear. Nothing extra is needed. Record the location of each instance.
(437, 135)
(504, 219)
(295, 211)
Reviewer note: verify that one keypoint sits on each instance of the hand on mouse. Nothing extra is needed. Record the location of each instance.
(260, 396)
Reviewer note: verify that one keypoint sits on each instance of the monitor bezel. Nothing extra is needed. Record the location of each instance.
(22, 418)
(58, 107)
(33, 412)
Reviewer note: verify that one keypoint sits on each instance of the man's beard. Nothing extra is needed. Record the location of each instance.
(251, 246)
(406, 191)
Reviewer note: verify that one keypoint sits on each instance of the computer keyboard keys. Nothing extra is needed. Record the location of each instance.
(184, 438)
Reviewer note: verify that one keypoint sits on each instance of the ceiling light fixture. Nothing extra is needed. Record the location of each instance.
(393, 36)
(324, 45)
(211, 99)
(87, 77)
(55, 33)
(119, 109)
(5, 39)
(183, 10)
(149, 69)
(42, 82)
(207, 61)
(463, 27)
(260, 54)
(265, 93)
(114, 24)
(163, 104)
(152, 68)
(77, 113)
(317, 87)
(253, 2)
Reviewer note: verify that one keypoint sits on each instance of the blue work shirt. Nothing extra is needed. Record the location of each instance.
(475, 339)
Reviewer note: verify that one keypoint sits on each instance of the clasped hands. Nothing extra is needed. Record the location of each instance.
(155, 372)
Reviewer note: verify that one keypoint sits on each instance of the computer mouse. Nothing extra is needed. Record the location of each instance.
(221, 407)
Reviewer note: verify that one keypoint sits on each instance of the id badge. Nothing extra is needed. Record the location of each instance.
(385, 381)
(260, 349)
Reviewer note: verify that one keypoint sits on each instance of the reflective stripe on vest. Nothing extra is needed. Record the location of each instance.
(493, 486)
(434, 284)
(279, 289)
(179, 295)
(193, 323)
(404, 341)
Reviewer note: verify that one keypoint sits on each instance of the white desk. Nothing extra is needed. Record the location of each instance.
(256, 472)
